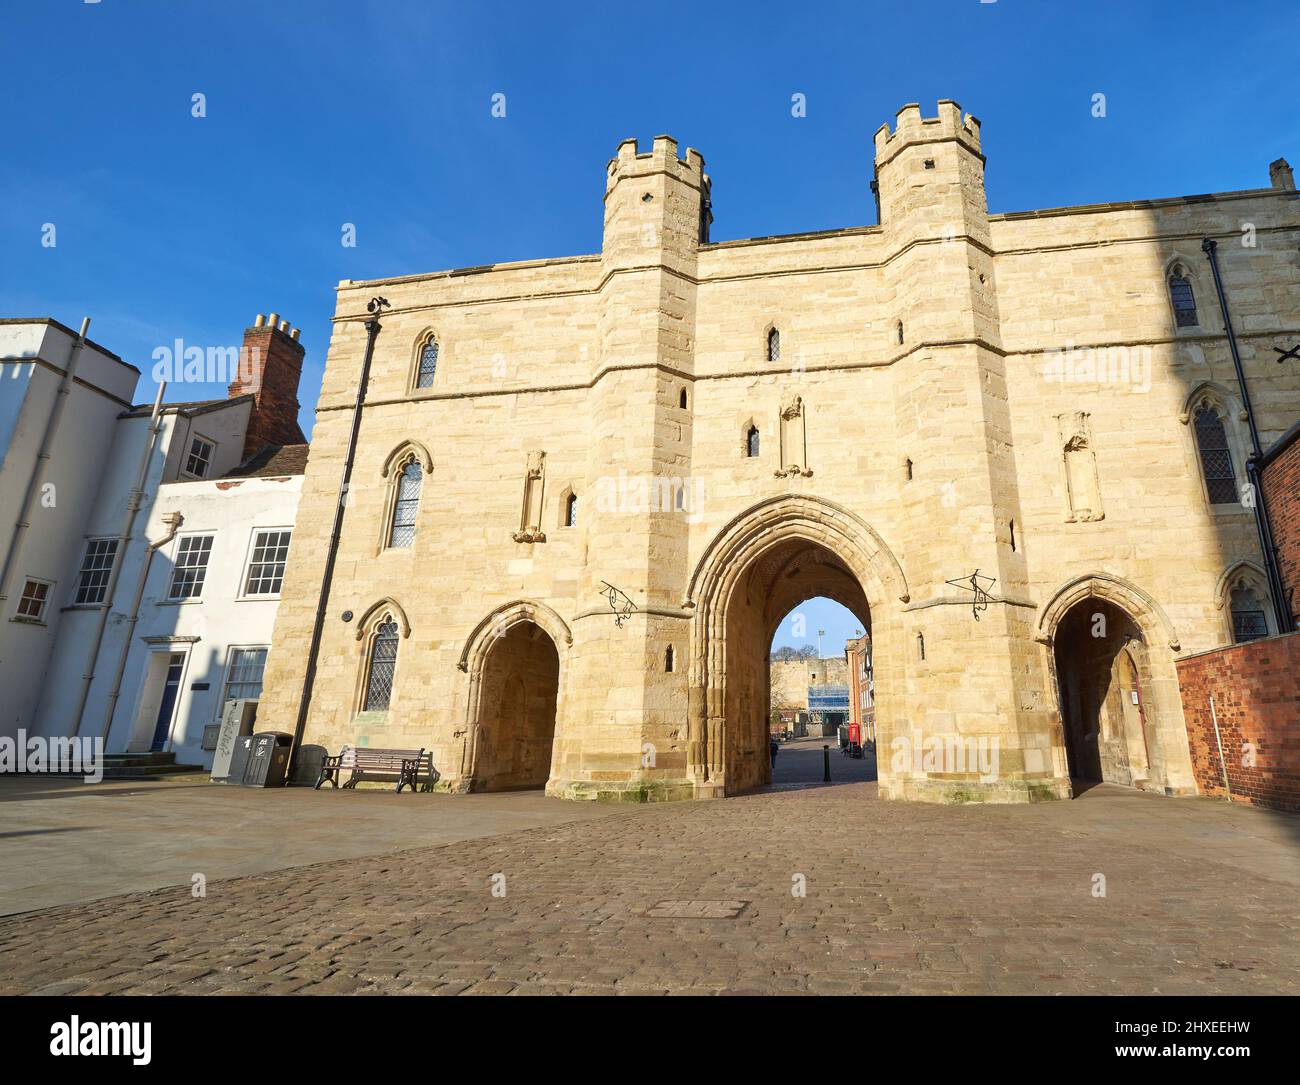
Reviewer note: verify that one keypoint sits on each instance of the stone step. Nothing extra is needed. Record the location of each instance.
(148, 772)
(139, 758)
(136, 766)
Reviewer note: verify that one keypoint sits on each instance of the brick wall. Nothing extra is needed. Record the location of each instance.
(1257, 701)
(1281, 482)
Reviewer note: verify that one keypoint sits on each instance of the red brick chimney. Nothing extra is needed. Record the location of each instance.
(270, 366)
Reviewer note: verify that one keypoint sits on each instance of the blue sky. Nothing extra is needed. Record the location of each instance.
(325, 112)
(378, 113)
(799, 627)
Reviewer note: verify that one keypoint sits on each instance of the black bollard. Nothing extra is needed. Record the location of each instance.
(826, 762)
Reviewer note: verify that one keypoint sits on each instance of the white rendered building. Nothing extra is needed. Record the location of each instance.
(148, 617)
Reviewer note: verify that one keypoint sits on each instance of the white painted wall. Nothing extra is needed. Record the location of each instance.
(205, 631)
(74, 655)
(34, 356)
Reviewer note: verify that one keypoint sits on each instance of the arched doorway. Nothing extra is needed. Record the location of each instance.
(773, 584)
(515, 727)
(770, 557)
(820, 699)
(1102, 672)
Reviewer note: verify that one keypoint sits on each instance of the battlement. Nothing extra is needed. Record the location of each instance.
(911, 127)
(661, 158)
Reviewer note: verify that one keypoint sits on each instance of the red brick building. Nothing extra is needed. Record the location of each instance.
(1242, 707)
(862, 704)
(1280, 478)
(1242, 703)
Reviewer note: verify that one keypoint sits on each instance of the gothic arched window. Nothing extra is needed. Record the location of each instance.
(1248, 619)
(1216, 457)
(428, 364)
(1182, 298)
(571, 511)
(751, 442)
(774, 346)
(406, 502)
(380, 668)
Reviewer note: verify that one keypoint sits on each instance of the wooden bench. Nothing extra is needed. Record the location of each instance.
(406, 766)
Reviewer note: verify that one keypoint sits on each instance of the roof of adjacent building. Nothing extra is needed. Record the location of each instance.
(1280, 445)
(274, 460)
(189, 410)
(49, 320)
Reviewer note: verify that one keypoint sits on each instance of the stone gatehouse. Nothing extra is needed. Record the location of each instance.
(710, 433)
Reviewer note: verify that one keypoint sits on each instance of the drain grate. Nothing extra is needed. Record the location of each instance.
(697, 909)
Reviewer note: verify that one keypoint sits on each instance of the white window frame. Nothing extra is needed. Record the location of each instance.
(244, 593)
(81, 570)
(39, 617)
(176, 553)
(228, 671)
(189, 453)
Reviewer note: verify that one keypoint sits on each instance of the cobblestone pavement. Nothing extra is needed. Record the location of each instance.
(800, 763)
(62, 841)
(1200, 898)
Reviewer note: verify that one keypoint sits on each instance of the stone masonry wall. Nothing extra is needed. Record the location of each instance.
(791, 679)
(981, 440)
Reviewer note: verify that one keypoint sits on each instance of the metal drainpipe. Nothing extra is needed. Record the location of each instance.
(376, 306)
(1263, 526)
(133, 503)
(173, 522)
(42, 457)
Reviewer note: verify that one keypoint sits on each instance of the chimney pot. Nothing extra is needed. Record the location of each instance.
(260, 321)
(294, 334)
(274, 320)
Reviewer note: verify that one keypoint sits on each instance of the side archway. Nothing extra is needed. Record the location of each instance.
(1113, 589)
(515, 663)
(1110, 650)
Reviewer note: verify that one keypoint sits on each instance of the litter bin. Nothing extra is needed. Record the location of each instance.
(239, 758)
(268, 759)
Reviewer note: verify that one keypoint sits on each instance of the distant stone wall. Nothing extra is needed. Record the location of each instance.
(791, 679)
(1254, 691)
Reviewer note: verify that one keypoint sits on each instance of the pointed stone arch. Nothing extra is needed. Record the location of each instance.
(1243, 565)
(1248, 574)
(795, 513)
(734, 551)
(408, 449)
(387, 607)
(1152, 648)
(1218, 394)
(500, 621)
(496, 626)
(1138, 604)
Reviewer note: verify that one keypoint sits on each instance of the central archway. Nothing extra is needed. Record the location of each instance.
(768, 560)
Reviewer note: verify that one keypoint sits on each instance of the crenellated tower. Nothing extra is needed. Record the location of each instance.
(639, 467)
(954, 425)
